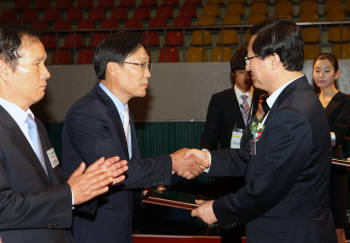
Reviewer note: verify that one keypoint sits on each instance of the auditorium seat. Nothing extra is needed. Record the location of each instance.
(236, 1)
(188, 10)
(201, 37)
(40, 25)
(85, 56)
(311, 34)
(73, 40)
(9, 15)
(52, 14)
(341, 51)
(197, 54)
(30, 15)
(74, 14)
(256, 18)
(221, 2)
(109, 24)
(211, 10)
(221, 54)
(164, 12)
(174, 38)
(231, 20)
(283, 15)
(308, 6)
(22, 4)
(235, 9)
(85, 4)
(169, 55)
(133, 23)
(142, 13)
(228, 37)
(127, 3)
(86, 24)
(64, 4)
(308, 17)
(62, 25)
(42, 4)
(96, 38)
(151, 38)
(194, 2)
(49, 40)
(157, 22)
(149, 3)
(106, 3)
(336, 16)
(259, 8)
(170, 3)
(206, 20)
(333, 6)
(181, 21)
(284, 6)
(334, 34)
(61, 57)
(119, 13)
(97, 13)
(311, 51)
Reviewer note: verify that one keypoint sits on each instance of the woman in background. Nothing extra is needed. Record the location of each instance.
(337, 108)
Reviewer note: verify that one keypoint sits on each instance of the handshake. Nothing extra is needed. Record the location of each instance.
(189, 163)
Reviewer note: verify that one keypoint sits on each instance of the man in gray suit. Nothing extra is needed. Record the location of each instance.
(35, 202)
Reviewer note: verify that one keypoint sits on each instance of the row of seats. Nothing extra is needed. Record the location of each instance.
(76, 40)
(193, 54)
(283, 8)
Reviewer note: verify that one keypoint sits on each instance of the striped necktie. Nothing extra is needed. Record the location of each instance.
(245, 109)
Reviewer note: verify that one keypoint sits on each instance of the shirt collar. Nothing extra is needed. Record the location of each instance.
(273, 97)
(120, 106)
(239, 93)
(18, 114)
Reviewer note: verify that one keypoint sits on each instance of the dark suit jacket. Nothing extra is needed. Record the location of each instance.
(338, 115)
(92, 129)
(285, 196)
(33, 208)
(222, 117)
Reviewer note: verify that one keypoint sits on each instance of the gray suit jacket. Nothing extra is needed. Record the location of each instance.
(33, 206)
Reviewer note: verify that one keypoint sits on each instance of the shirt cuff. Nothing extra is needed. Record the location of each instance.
(209, 155)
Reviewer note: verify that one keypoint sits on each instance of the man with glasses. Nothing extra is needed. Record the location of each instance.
(285, 196)
(100, 124)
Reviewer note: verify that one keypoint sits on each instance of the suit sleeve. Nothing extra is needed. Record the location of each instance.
(48, 208)
(285, 149)
(210, 138)
(228, 162)
(91, 136)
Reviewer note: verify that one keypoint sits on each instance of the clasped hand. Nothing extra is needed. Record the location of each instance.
(189, 163)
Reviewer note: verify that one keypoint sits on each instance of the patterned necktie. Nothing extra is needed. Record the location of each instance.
(245, 109)
(35, 139)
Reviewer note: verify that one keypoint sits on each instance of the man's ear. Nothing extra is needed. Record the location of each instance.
(275, 61)
(112, 68)
(5, 70)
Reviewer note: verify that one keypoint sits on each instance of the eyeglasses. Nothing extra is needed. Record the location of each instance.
(246, 59)
(144, 66)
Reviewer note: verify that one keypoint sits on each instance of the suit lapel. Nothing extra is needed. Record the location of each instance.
(114, 114)
(333, 105)
(237, 110)
(18, 138)
(135, 148)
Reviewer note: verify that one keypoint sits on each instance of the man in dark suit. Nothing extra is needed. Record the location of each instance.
(225, 122)
(100, 123)
(285, 196)
(35, 202)
(225, 110)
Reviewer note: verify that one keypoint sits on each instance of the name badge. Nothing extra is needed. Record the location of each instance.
(236, 138)
(52, 157)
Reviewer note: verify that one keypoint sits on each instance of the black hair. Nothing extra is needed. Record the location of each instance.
(283, 37)
(333, 60)
(11, 36)
(237, 60)
(115, 48)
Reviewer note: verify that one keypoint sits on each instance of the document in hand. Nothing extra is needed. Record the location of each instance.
(340, 162)
(172, 199)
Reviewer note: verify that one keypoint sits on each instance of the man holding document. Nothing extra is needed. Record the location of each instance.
(286, 175)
